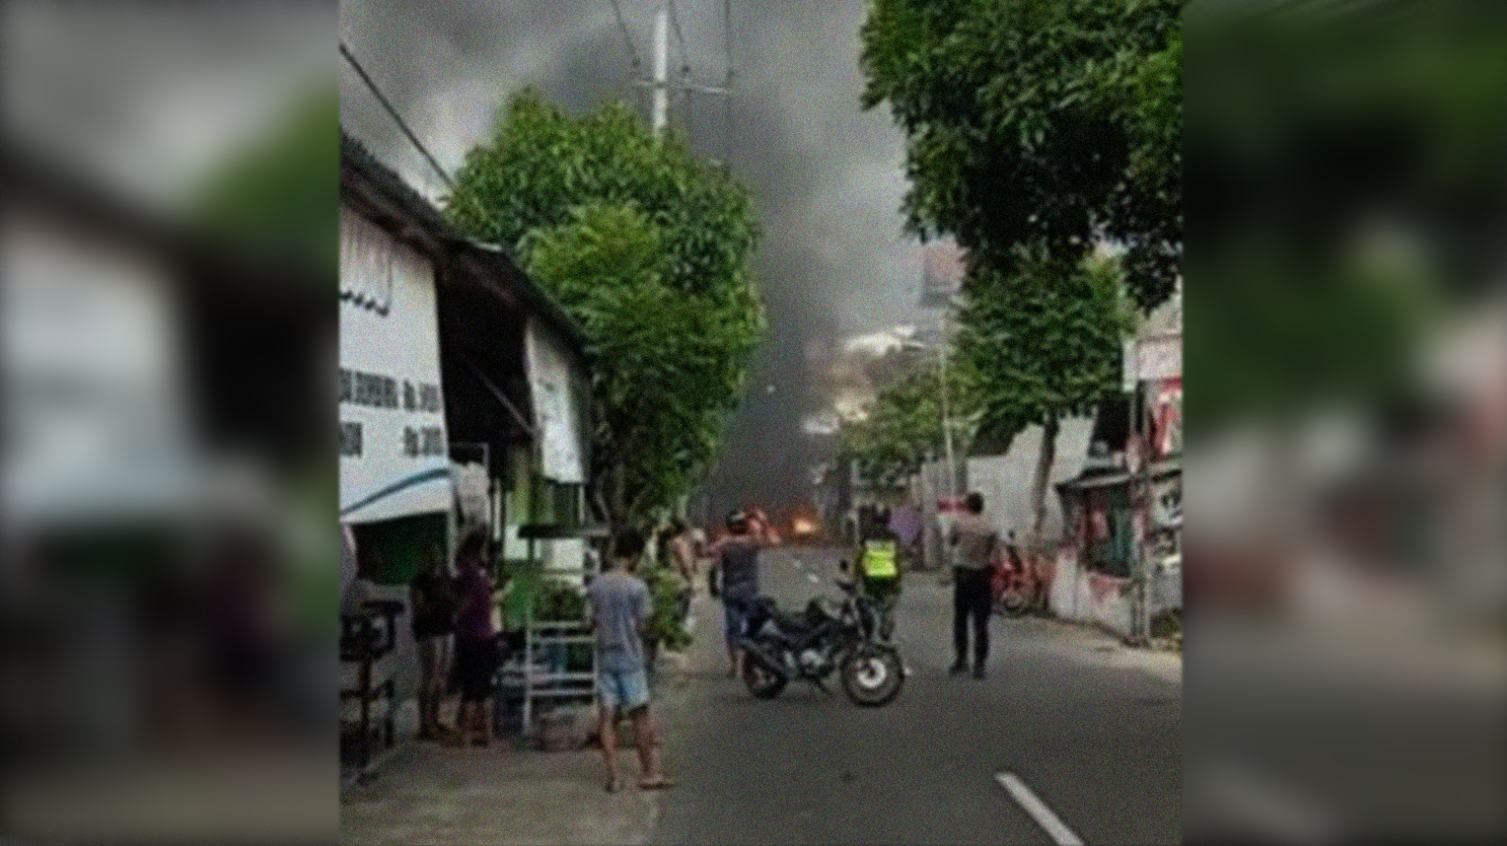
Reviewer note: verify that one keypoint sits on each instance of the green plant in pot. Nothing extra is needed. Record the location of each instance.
(666, 624)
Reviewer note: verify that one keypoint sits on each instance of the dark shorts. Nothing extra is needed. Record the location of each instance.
(735, 613)
(476, 663)
(884, 590)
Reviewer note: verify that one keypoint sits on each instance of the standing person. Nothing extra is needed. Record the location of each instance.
(975, 544)
(878, 558)
(476, 647)
(618, 607)
(682, 552)
(683, 558)
(734, 574)
(432, 594)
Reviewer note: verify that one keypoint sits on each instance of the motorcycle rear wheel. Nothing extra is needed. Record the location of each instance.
(1011, 604)
(872, 676)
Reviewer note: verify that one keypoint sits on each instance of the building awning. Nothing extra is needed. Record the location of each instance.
(558, 531)
(1159, 469)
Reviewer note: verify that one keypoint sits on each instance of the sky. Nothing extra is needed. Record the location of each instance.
(826, 177)
(153, 97)
(149, 99)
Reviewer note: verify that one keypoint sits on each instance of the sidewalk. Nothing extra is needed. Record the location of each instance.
(1086, 643)
(203, 798)
(434, 794)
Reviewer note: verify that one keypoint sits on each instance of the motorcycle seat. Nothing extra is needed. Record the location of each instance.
(791, 622)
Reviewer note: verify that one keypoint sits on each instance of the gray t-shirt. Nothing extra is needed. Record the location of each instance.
(740, 569)
(620, 603)
(974, 542)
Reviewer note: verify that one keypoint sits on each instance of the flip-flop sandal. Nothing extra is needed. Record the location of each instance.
(656, 784)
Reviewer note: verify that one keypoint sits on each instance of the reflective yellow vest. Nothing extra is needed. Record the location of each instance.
(880, 559)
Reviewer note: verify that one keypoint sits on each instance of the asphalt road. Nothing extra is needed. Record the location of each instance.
(1055, 746)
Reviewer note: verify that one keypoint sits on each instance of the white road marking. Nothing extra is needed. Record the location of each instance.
(1257, 803)
(1060, 834)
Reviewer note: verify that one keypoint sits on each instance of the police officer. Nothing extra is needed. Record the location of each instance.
(878, 558)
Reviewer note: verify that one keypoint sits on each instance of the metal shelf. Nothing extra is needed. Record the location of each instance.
(367, 710)
(544, 635)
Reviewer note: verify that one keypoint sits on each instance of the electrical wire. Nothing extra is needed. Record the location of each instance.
(727, 86)
(397, 118)
(622, 25)
(685, 56)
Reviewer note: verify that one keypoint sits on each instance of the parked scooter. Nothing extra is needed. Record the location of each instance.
(808, 646)
(1014, 585)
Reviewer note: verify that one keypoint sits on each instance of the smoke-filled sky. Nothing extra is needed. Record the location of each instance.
(154, 97)
(826, 177)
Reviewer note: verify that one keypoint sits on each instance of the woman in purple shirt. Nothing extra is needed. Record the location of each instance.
(476, 647)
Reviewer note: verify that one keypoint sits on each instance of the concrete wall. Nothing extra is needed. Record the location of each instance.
(1005, 480)
(1088, 597)
(1104, 600)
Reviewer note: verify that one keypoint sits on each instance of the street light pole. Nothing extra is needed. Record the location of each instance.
(952, 481)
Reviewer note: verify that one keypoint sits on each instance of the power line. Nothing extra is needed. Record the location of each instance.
(727, 100)
(622, 25)
(346, 52)
(685, 56)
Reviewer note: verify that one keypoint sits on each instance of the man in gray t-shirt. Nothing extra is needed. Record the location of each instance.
(618, 607)
(735, 564)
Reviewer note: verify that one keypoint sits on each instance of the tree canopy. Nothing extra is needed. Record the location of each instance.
(1047, 124)
(903, 425)
(648, 249)
(276, 195)
(1044, 342)
(541, 164)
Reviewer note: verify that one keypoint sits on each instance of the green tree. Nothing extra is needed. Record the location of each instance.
(1356, 153)
(276, 195)
(903, 425)
(1041, 344)
(541, 164)
(1050, 124)
(648, 249)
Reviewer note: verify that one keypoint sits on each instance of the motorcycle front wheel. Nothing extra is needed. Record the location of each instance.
(872, 676)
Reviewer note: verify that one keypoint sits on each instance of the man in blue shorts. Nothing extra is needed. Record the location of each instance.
(618, 607)
(735, 565)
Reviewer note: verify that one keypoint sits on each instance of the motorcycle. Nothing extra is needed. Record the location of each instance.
(1013, 586)
(809, 646)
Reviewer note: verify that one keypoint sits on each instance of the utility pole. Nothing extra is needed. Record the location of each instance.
(661, 94)
(1143, 501)
(660, 85)
(1139, 626)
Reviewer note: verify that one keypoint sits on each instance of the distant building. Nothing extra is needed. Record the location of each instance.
(942, 271)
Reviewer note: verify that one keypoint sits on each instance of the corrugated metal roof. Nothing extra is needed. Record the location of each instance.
(357, 160)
